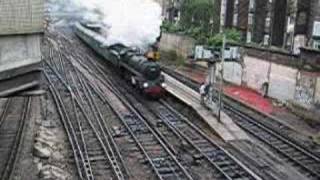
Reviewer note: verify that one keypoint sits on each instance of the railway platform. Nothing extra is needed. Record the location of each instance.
(20, 60)
(21, 28)
(226, 129)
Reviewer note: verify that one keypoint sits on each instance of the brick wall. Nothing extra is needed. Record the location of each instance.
(21, 16)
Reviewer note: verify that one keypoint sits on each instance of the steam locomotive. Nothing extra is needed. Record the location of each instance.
(142, 72)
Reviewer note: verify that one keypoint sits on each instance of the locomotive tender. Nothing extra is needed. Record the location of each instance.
(142, 73)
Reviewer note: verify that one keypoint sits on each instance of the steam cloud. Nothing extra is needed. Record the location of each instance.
(130, 22)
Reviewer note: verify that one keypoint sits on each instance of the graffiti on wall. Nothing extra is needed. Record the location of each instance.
(305, 88)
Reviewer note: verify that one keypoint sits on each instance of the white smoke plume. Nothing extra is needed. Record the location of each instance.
(131, 22)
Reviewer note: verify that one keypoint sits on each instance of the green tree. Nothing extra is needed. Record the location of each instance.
(197, 17)
(232, 35)
(200, 19)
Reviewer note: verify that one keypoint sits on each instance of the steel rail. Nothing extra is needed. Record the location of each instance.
(5, 110)
(266, 135)
(240, 116)
(7, 173)
(109, 149)
(71, 133)
(121, 98)
(123, 120)
(137, 117)
(176, 118)
(114, 165)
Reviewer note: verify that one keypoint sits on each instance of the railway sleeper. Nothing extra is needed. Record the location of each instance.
(278, 143)
(147, 139)
(200, 141)
(224, 163)
(168, 170)
(213, 153)
(170, 176)
(97, 158)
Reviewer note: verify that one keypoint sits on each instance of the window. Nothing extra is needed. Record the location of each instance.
(316, 29)
(316, 45)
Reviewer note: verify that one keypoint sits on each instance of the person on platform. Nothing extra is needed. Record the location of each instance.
(203, 92)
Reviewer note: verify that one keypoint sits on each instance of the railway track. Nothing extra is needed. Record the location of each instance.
(299, 157)
(12, 124)
(161, 160)
(287, 148)
(223, 164)
(133, 122)
(95, 152)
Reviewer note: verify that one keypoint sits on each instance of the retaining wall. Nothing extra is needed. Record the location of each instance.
(287, 76)
(181, 44)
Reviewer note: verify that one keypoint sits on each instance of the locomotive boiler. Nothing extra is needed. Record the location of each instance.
(141, 72)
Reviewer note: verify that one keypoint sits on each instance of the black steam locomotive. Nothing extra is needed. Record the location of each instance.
(142, 72)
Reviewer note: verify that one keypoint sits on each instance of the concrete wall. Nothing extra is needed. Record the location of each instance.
(18, 51)
(233, 73)
(281, 71)
(305, 88)
(282, 82)
(256, 72)
(317, 92)
(285, 83)
(21, 16)
(181, 44)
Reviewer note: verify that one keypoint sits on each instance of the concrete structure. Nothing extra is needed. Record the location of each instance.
(280, 75)
(277, 73)
(181, 44)
(284, 23)
(21, 16)
(170, 9)
(21, 25)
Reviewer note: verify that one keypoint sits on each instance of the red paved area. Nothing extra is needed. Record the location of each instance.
(250, 97)
(243, 94)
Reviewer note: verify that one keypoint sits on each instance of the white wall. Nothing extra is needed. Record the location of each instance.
(233, 72)
(282, 82)
(317, 93)
(256, 72)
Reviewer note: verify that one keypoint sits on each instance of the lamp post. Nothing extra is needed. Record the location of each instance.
(220, 106)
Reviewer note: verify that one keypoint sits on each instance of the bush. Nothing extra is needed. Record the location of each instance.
(172, 58)
(199, 20)
(170, 27)
(232, 35)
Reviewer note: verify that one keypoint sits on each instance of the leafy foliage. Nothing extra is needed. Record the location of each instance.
(232, 35)
(200, 20)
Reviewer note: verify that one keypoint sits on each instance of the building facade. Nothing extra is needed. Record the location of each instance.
(288, 24)
(21, 25)
(21, 16)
